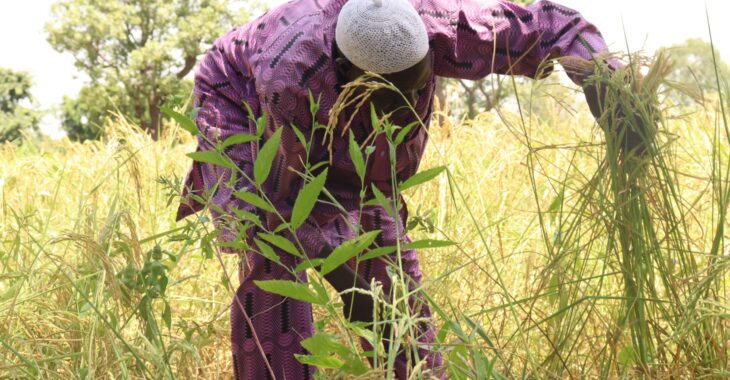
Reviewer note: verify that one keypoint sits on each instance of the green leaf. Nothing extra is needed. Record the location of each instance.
(194, 113)
(212, 157)
(627, 356)
(167, 315)
(554, 286)
(316, 166)
(424, 244)
(244, 215)
(238, 139)
(383, 200)
(374, 120)
(556, 205)
(421, 177)
(282, 243)
(404, 132)
(261, 124)
(378, 252)
(249, 111)
(327, 361)
(267, 251)
(356, 157)
(480, 331)
(323, 344)
(294, 290)
(369, 150)
(364, 332)
(320, 291)
(300, 136)
(236, 245)
(181, 119)
(308, 264)
(254, 200)
(306, 199)
(348, 250)
(557, 202)
(314, 105)
(262, 165)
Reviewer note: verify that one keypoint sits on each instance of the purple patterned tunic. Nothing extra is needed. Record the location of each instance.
(272, 63)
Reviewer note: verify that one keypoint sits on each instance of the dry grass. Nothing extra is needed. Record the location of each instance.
(535, 283)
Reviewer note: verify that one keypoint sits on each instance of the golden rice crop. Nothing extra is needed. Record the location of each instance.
(535, 287)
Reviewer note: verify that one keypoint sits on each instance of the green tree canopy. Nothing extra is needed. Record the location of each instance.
(695, 65)
(15, 98)
(136, 54)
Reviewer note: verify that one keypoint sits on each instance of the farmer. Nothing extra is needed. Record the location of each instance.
(273, 63)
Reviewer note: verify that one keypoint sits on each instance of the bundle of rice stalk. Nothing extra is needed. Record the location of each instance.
(647, 225)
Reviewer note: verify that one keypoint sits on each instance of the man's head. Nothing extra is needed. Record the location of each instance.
(389, 38)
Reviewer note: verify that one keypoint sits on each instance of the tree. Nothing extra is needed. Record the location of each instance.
(82, 116)
(695, 66)
(15, 98)
(136, 54)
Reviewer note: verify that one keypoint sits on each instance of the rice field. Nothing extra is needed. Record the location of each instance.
(570, 259)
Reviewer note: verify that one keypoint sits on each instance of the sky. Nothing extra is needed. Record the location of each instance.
(648, 25)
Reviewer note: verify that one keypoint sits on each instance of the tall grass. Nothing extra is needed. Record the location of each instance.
(571, 257)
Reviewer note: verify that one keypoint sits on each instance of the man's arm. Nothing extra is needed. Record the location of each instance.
(219, 101)
(357, 306)
(472, 40)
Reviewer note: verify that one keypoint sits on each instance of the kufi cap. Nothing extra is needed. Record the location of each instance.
(382, 36)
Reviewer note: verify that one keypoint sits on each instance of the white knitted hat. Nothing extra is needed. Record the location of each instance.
(382, 36)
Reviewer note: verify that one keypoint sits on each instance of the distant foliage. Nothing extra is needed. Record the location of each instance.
(695, 66)
(136, 54)
(15, 99)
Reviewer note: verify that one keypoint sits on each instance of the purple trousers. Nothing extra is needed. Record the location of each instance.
(280, 324)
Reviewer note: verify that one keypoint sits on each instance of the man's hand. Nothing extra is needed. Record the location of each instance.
(622, 113)
(357, 306)
(621, 110)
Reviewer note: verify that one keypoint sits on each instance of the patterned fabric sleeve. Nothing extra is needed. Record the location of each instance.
(222, 84)
(219, 96)
(472, 39)
(290, 66)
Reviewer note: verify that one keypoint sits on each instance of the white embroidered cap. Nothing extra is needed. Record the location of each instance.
(382, 36)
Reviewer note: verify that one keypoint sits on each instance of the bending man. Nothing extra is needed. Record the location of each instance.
(318, 46)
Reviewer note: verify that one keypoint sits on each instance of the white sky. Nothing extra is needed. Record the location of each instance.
(649, 24)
